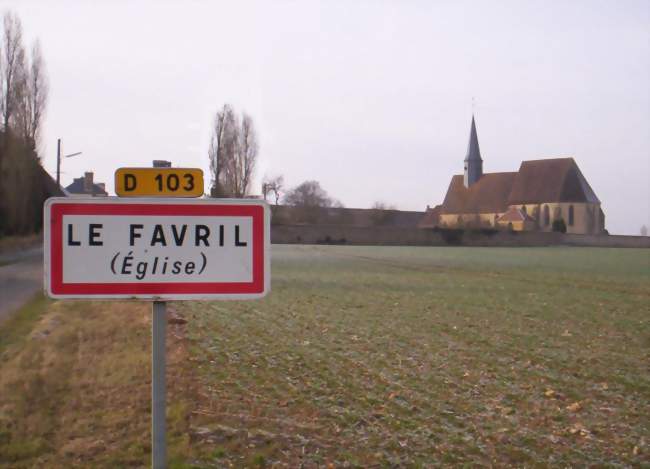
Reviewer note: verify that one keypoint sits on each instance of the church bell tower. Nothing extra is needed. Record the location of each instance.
(473, 161)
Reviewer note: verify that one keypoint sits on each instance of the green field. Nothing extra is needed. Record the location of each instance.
(407, 357)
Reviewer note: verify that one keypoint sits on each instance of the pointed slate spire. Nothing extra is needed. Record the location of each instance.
(473, 160)
(473, 150)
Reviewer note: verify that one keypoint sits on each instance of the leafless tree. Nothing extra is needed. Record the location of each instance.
(23, 96)
(32, 92)
(308, 194)
(644, 230)
(379, 205)
(245, 157)
(273, 185)
(222, 148)
(11, 59)
(233, 153)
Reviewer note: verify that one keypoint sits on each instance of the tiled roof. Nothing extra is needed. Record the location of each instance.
(550, 180)
(537, 181)
(488, 195)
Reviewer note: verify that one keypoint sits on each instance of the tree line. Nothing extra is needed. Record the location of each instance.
(23, 100)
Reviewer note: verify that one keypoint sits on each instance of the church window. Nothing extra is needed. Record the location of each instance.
(570, 215)
(547, 216)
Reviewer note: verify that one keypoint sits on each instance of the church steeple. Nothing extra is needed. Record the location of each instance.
(473, 161)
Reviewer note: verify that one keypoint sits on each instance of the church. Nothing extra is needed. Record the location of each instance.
(544, 195)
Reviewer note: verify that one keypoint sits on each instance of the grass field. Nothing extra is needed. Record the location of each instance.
(407, 357)
(359, 357)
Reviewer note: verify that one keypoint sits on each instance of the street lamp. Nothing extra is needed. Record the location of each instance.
(58, 161)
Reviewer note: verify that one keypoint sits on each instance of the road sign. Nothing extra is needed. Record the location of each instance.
(156, 248)
(159, 182)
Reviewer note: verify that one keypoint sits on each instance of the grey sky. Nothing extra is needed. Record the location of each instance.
(373, 99)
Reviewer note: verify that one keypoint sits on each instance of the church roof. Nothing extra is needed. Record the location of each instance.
(551, 180)
(473, 150)
(487, 195)
(537, 181)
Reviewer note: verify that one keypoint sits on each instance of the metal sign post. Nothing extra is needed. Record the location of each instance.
(158, 385)
(158, 377)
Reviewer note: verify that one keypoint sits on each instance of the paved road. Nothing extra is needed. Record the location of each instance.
(20, 280)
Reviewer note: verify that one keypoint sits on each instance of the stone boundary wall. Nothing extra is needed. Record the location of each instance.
(410, 236)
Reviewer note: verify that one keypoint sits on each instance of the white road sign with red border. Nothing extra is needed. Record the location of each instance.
(156, 249)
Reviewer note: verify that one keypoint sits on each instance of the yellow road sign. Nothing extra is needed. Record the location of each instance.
(159, 182)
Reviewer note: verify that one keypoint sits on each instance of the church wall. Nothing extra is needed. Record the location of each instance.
(585, 217)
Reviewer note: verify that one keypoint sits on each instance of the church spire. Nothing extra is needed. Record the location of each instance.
(473, 161)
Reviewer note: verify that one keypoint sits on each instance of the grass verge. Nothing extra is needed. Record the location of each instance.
(75, 386)
(15, 329)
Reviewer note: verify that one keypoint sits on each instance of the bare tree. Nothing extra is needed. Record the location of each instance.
(11, 60)
(222, 149)
(379, 205)
(273, 185)
(32, 92)
(644, 230)
(23, 96)
(308, 194)
(233, 153)
(245, 157)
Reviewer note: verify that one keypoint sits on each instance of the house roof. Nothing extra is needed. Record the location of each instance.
(487, 195)
(550, 180)
(515, 214)
(77, 187)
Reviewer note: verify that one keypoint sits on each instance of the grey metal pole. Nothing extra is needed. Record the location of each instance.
(158, 382)
(58, 163)
(158, 385)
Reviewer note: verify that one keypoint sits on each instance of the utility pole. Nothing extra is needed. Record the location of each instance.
(58, 161)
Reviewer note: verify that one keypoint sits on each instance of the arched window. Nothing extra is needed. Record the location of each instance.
(570, 215)
(547, 216)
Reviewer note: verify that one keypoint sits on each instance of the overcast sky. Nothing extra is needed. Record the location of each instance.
(372, 99)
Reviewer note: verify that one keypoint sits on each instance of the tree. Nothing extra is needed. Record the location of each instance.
(243, 164)
(644, 230)
(11, 61)
(222, 148)
(23, 97)
(32, 98)
(233, 153)
(379, 205)
(309, 194)
(273, 185)
(559, 225)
